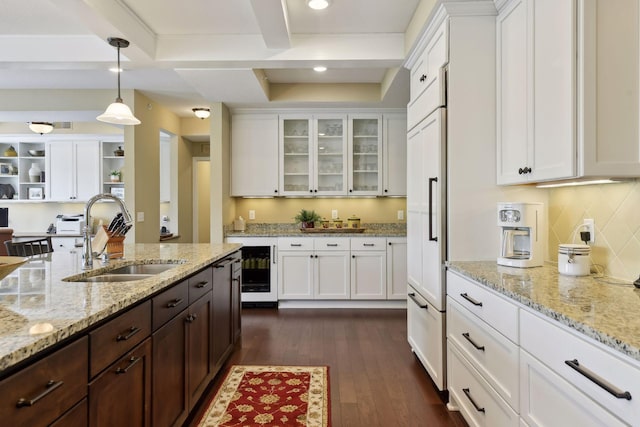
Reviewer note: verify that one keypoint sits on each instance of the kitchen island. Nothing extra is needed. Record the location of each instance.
(44, 312)
(531, 346)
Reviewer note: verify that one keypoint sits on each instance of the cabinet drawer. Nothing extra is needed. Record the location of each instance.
(295, 244)
(555, 346)
(368, 244)
(331, 244)
(493, 309)
(491, 353)
(118, 336)
(200, 283)
(46, 389)
(478, 402)
(169, 303)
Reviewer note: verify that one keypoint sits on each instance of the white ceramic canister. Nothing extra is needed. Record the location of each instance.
(573, 259)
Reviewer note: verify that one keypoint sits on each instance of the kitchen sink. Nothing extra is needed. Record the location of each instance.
(127, 273)
(115, 278)
(147, 269)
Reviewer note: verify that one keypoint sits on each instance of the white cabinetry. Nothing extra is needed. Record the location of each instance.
(331, 268)
(394, 155)
(549, 77)
(397, 268)
(254, 155)
(368, 268)
(74, 170)
(365, 154)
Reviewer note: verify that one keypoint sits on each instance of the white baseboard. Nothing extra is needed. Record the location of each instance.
(394, 304)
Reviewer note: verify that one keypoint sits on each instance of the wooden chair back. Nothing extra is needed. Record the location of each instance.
(29, 247)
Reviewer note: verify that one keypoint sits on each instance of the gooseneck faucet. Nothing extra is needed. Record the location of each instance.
(87, 253)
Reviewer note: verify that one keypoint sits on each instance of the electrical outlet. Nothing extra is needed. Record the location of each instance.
(589, 225)
(140, 217)
(334, 213)
(400, 214)
(252, 214)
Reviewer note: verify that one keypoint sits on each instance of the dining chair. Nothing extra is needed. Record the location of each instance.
(29, 247)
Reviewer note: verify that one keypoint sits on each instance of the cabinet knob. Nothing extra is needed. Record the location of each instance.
(315, 191)
(275, 191)
(423, 78)
(353, 256)
(351, 190)
(310, 191)
(524, 170)
(386, 191)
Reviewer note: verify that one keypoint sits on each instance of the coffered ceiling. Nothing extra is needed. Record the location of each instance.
(245, 53)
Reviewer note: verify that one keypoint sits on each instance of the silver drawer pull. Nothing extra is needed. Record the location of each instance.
(592, 376)
(412, 295)
(296, 244)
(50, 387)
(468, 338)
(368, 244)
(471, 300)
(332, 244)
(473, 402)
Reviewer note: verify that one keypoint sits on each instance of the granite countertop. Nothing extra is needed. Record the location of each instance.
(604, 309)
(39, 309)
(292, 230)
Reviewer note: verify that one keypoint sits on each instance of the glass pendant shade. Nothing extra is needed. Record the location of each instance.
(118, 113)
(201, 113)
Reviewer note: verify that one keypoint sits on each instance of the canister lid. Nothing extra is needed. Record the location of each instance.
(354, 218)
(574, 249)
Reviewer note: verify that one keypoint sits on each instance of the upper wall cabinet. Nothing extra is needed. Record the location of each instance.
(394, 155)
(254, 155)
(74, 170)
(567, 90)
(365, 154)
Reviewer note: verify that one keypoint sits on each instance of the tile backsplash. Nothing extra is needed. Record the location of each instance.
(616, 211)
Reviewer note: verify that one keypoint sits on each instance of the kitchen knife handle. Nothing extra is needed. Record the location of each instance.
(431, 236)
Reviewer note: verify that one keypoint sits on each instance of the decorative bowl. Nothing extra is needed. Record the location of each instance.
(36, 153)
(10, 263)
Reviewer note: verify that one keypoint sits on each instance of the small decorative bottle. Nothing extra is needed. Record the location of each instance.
(34, 173)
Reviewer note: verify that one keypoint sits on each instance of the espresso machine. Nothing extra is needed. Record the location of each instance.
(522, 234)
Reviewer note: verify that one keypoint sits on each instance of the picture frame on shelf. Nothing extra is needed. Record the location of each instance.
(5, 168)
(118, 192)
(36, 193)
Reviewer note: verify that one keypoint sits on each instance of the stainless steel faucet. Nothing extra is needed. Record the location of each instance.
(87, 253)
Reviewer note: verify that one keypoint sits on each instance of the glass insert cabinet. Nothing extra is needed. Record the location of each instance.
(332, 155)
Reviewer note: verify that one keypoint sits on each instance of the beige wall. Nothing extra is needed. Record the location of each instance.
(615, 209)
(281, 210)
(223, 207)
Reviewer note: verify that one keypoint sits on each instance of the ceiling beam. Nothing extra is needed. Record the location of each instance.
(273, 21)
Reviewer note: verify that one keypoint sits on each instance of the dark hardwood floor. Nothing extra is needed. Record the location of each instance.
(375, 379)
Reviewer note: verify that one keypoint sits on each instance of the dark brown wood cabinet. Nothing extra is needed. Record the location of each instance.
(236, 302)
(182, 354)
(74, 417)
(42, 392)
(221, 310)
(121, 395)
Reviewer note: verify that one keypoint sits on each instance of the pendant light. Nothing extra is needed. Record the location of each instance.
(118, 112)
(41, 127)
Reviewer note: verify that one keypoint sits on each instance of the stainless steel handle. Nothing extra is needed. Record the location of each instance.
(368, 244)
(295, 245)
(473, 402)
(473, 343)
(273, 257)
(332, 245)
(412, 295)
(471, 300)
(593, 377)
(50, 387)
(431, 236)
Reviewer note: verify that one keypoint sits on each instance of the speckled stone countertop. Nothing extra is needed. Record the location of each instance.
(603, 309)
(38, 308)
(293, 230)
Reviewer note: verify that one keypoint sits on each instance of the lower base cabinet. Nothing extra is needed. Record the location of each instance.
(121, 395)
(76, 416)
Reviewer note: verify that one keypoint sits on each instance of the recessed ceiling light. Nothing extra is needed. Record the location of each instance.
(320, 68)
(318, 4)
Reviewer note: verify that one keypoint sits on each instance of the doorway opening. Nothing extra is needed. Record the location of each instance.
(201, 200)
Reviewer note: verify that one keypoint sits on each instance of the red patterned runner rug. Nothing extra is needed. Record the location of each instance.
(271, 396)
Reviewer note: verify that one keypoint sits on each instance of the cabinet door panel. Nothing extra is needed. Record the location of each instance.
(394, 142)
(295, 275)
(60, 170)
(87, 159)
(221, 311)
(254, 155)
(331, 271)
(170, 403)
(397, 269)
(513, 93)
(199, 347)
(296, 155)
(121, 395)
(368, 275)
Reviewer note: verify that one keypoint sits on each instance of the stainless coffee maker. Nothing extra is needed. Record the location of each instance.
(522, 234)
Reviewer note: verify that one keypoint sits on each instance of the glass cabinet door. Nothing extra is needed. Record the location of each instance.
(296, 158)
(365, 155)
(331, 156)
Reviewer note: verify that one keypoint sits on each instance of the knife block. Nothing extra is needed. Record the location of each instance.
(104, 241)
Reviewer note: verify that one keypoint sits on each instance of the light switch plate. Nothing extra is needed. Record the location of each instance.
(334, 213)
(140, 216)
(252, 214)
(401, 214)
